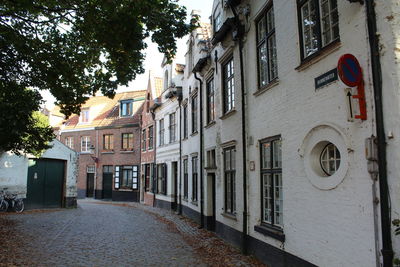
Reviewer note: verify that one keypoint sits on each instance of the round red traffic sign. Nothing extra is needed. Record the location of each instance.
(349, 70)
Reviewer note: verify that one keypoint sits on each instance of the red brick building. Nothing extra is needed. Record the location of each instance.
(148, 140)
(107, 137)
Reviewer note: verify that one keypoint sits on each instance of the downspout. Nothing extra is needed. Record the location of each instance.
(201, 150)
(153, 115)
(387, 250)
(243, 112)
(180, 153)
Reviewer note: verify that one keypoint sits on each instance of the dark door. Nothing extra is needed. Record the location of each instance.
(107, 185)
(213, 196)
(175, 173)
(90, 185)
(45, 183)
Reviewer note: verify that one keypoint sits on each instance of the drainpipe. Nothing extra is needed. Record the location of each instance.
(387, 250)
(180, 154)
(201, 151)
(153, 115)
(239, 37)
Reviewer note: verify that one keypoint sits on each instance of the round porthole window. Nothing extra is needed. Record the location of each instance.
(330, 159)
(326, 156)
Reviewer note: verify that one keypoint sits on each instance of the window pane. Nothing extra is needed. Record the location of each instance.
(267, 196)
(278, 199)
(277, 150)
(228, 193)
(263, 64)
(261, 27)
(266, 155)
(273, 66)
(227, 159)
(309, 25)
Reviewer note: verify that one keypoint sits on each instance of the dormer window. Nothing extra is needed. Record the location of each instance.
(126, 108)
(84, 117)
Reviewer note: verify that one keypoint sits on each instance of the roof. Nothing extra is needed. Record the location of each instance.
(104, 111)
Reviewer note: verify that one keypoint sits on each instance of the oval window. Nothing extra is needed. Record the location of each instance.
(330, 159)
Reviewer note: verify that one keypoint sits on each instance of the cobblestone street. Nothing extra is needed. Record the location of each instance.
(114, 234)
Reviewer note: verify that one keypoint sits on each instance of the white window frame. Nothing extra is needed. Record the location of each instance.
(85, 143)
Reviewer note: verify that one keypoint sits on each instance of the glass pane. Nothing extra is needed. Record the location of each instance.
(270, 20)
(261, 29)
(277, 153)
(227, 159)
(310, 36)
(267, 196)
(266, 155)
(273, 66)
(263, 64)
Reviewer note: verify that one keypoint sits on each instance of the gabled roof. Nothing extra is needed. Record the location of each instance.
(104, 111)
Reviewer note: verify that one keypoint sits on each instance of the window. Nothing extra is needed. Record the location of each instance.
(210, 101)
(151, 139)
(185, 179)
(108, 142)
(147, 175)
(127, 141)
(161, 132)
(211, 159)
(126, 108)
(84, 118)
(172, 127)
(266, 48)
(194, 179)
(194, 114)
(330, 159)
(217, 22)
(69, 142)
(85, 143)
(107, 169)
(229, 86)
(162, 178)
(126, 177)
(185, 121)
(319, 25)
(144, 140)
(229, 173)
(271, 179)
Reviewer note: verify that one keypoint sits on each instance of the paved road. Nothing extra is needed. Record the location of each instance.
(98, 234)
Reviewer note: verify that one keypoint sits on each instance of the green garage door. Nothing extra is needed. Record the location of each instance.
(45, 183)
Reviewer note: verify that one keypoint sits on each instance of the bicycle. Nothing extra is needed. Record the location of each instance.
(3, 201)
(11, 200)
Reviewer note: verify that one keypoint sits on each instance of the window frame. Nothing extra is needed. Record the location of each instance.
(151, 137)
(162, 179)
(87, 143)
(321, 47)
(230, 175)
(161, 132)
(108, 144)
(228, 99)
(172, 127)
(129, 109)
(210, 91)
(84, 116)
(194, 113)
(129, 140)
(144, 140)
(269, 35)
(270, 171)
(195, 195)
(185, 121)
(69, 141)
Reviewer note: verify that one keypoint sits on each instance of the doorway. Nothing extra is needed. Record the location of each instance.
(175, 179)
(212, 198)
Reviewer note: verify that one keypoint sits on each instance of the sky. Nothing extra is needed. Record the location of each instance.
(153, 57)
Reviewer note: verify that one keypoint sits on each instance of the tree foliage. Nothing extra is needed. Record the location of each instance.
(74, 48)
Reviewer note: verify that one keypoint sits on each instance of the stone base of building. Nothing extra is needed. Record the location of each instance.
(148, 199)
(70, 202)
(81, 193)
(125, 196)
(164, 204)
(266, 253)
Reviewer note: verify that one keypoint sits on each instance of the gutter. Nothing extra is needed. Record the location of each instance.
(180, 153)
(201, 150)
(387, 249)
(153, 115)
(238, 32)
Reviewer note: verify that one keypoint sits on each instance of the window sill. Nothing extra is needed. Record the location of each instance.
(263, 89)
(126, 151)
(270, 231)
(185, 199)
(194, 133)
(86, 153)
(124, 189)
(107, 152)
(229, 216)
(194, 203)
(211, 123)
(319, 55)
(210, 168)
(228, 114)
